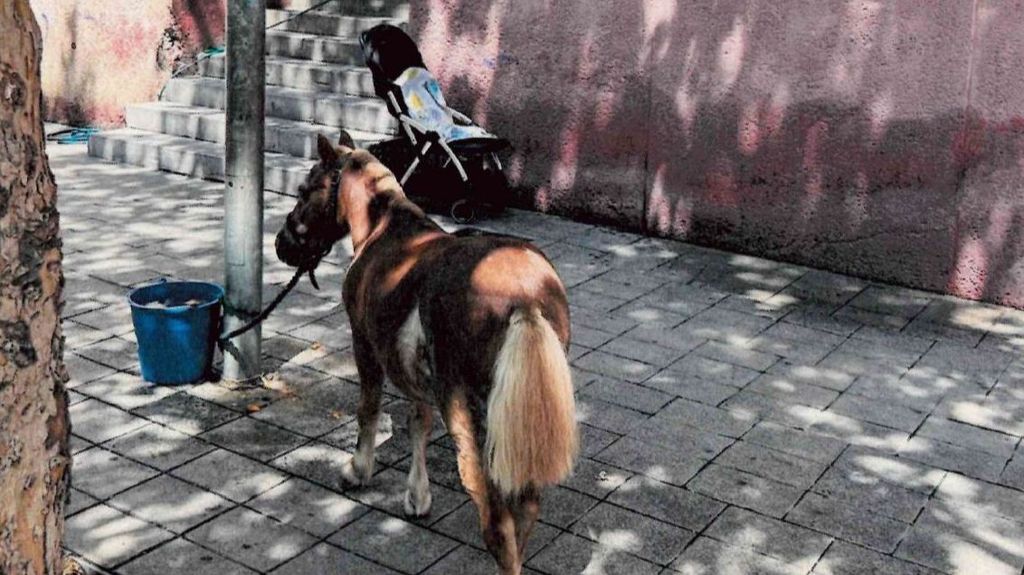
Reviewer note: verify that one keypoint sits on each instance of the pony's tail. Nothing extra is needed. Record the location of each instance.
(531, 413)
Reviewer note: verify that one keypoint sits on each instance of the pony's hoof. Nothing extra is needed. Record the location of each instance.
(351, 476)
(417, 508)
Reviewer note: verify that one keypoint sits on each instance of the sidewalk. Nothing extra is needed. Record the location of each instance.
(739, 415)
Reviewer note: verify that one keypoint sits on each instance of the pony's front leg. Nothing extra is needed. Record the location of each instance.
(357, 471)
(418, 498)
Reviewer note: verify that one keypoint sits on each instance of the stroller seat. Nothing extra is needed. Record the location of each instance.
(413, 96)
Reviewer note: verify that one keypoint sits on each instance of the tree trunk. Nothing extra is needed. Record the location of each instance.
(34, 457)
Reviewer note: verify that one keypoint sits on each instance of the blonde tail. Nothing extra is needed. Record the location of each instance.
(531, 413)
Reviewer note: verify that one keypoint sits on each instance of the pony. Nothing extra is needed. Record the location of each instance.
(474, 326)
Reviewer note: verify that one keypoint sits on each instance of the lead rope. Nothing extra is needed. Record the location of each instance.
(277, 299)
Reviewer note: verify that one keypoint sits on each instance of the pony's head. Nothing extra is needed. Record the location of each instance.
(318, 219)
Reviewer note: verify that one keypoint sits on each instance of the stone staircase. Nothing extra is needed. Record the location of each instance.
(316, 83)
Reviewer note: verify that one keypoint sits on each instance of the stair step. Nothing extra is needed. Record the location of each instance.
(325, 23)
(207, 124)
(296, 46)
(304, 75)
(382, 8)
(350, 112)
(192, 158)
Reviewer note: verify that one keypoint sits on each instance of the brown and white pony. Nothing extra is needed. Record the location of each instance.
(476, 326)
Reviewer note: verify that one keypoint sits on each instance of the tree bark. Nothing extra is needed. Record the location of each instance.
(34, 457)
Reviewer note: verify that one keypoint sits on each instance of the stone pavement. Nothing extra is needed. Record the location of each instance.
(739, 415)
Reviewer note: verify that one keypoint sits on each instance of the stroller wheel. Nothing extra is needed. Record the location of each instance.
(463, 212)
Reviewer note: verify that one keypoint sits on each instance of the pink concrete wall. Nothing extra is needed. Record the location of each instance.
(882, 139)
(99, 55)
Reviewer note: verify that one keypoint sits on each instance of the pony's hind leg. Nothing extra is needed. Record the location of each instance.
(497, 522)
(357, 471)
(526, 508)
(417, 498)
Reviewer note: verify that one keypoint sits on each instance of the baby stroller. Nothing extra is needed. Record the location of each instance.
(431, 132)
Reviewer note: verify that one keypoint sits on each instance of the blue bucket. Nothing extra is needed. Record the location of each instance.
(176, 325)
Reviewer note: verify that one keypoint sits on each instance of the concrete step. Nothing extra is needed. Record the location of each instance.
(304, 75)
(382, 8)
(207, 124)
(296, 46)
(349, 112)
(192, 158)
(325, 23)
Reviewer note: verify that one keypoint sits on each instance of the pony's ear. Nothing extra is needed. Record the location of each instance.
(327, 151)
(346, 141)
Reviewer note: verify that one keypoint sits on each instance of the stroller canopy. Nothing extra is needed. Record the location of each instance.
(399, 73)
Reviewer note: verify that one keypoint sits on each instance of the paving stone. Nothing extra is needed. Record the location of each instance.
(317, 462)
(645, 312)
(845, 559)
(745, 490)
(881, 413)
(1000, 410)
(337, 364)
(683, 299)
(464, 560)
(170, 503)
(953, 457)
(667, 503)
(442, 466)
(963, 491)
(652, 540)
(589, 337)
(562, 507)
(82, 370)
(690, 387)
(1013, 473)
(386, 492)
(831, 424)
(788, 389)
(187, 413)
(309, 507)
(616, 367)
(642, 351)
(772, 464)
(108, 537)
(230, 475)
(463, 525)
(253, 438)
(608, 416)
(848, 523)
(960, 541)
(709, 369)
(665, 337)
(325, 558)
(812, 375)
(595, 479)
(685, 440)
(964, 435)
(78, 501)
(159, 446)
(913, 390)
(240, 398)
(255, 540)
(572, 554)
(857, 365)
(857, 489)
(102, 473)
(593, 440)
(600, 303)
(708, 556)
(801, 443)
(126, 390)
(393, 542)
(725, 325)
(797, 547)
(392, 439)
(730, 423)
(181, 556)
(635, 397)
(97, 422)
(868, 467)
(736, 355)
(652, 460)
(971, 363)
(609, 324)
(77, 444)
(115, 352)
